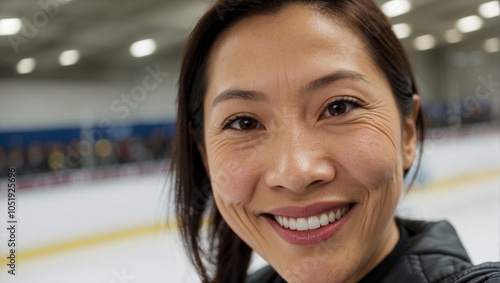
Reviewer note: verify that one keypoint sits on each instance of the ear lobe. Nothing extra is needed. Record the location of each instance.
(410, 134)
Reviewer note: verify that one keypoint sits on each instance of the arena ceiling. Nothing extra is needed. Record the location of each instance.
(103, 30)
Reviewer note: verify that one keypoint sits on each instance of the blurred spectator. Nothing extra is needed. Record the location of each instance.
(73, 155)
(16, 159)
(105, 152)
(158, 146)
(138, 152)
(55, 156)
(36, 158)
(123, 152)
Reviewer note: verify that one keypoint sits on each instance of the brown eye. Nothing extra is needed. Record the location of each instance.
(338, 108)
(243, 124)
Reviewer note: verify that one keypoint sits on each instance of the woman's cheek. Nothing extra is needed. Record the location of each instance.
(374, 160)
(234, 179)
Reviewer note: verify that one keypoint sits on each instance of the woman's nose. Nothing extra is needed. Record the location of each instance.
(298, 161)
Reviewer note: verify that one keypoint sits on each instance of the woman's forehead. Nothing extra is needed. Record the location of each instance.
(295, 45)
(288, 32)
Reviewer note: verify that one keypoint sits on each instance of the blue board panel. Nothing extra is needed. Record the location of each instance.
(11, 139)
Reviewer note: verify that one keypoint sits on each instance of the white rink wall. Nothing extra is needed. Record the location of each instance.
(453, 157)
(103, 231)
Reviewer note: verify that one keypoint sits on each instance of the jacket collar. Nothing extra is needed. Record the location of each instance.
(434, 237)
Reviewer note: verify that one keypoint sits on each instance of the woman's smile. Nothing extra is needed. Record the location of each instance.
(311, 224)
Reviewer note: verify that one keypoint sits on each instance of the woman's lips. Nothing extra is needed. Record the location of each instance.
(309, 225)
(309, 210)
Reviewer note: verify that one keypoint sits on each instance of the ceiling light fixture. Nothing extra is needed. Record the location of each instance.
(492, 45)
(143, 48)
(10, 26)
(424, 42)
(396, 8)
(402, 30)
(69, 57)
(469, 24)
(453, 36)
(489, 9)
(26, 66)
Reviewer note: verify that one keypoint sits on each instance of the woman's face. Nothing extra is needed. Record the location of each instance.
(304, 145)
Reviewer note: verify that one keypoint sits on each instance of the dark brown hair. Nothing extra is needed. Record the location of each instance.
(226, 258)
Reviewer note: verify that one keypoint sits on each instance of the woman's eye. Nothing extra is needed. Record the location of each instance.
(243, 124)
(340, 107)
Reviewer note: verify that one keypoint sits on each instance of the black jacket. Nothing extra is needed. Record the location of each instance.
(433, 253)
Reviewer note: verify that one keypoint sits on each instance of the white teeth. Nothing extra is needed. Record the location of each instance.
(331, 216)
(301, 224)
(323, 220)
(285, 222)
(338, 215)
(293, 223)
(312, 222)
(280, 220)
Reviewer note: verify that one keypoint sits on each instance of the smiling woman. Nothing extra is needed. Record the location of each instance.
(297, 124)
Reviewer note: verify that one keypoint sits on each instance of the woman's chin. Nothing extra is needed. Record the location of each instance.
(318, 274)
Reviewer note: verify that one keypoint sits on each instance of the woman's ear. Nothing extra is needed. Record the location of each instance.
(201, 148)
(410, 134)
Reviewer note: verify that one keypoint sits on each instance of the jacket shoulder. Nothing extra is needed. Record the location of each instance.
(484, 273)
(436, 255)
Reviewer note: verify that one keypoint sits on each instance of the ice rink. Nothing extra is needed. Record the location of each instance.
(118, 230)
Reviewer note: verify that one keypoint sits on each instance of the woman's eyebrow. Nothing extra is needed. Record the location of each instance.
(310, 87)
(239, 94)
(331, 78)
